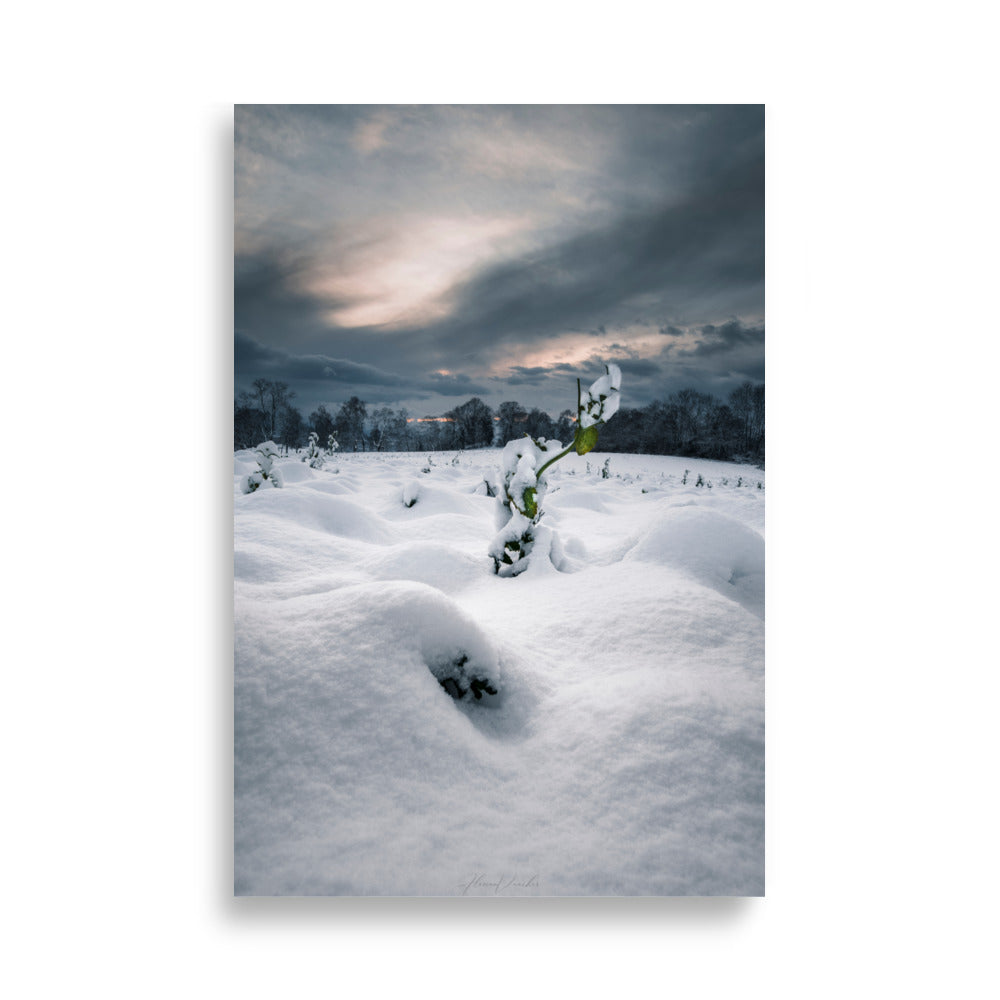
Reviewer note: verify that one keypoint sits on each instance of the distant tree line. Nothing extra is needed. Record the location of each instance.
(685, 423)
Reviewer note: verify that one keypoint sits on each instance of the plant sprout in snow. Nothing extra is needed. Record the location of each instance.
(525, 462)
(265, 453)
(313, 454)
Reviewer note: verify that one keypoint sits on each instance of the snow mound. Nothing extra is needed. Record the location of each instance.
(329, 486)
(342, 717)
(581, 497)
(411, 493)
(295, 472)
(430, 563)
(712, 548)
(433, 500)
(321, 512)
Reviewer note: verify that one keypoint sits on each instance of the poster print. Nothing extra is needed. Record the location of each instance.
(498, 497)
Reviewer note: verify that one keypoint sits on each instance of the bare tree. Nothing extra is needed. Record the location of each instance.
(512, 416)
(539, 424)
(472, 424)
(321, 421)
(388, 429)
(747, 404)
(350, 424)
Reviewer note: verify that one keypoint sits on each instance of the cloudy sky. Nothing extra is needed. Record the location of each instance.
(420, 255)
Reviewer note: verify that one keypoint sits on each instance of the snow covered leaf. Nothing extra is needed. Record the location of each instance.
(601, 402)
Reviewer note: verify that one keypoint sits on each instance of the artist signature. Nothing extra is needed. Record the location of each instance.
(497, 885)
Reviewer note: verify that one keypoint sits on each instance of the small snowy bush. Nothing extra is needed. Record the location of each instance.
(265, 453)
(457, 678)
(332, 444)
(313, 454)
(525, 462)
(411, 493)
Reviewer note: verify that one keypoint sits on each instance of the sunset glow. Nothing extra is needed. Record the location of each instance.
(403, 273)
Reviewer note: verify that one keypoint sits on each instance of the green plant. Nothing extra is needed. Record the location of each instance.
(525, 462)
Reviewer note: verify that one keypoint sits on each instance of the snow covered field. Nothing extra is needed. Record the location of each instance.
(623, 753)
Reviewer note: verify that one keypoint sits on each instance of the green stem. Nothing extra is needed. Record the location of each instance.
(555, 458)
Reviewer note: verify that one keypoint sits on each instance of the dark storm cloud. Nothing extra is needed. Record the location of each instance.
(541, 375)
(450, 384)
(681, 256)
(318, 378)
(723, 339)
(256, 360)
(710, 358)
(638, 366)
(584, 221)
(267, 302)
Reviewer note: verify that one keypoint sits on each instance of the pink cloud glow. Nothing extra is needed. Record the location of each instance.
(402, 271)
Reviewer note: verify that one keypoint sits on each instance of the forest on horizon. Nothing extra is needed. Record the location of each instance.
(686, 422)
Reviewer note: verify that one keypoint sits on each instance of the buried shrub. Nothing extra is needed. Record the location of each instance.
(457, 678)
(525, 462)
(411, 493)
(265, 453)
(313, 454)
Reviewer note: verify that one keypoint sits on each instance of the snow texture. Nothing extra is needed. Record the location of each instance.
(623, 750)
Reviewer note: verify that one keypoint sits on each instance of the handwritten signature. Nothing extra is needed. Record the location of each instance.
(483, 882)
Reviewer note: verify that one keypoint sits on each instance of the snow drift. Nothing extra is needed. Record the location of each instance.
(622, 750)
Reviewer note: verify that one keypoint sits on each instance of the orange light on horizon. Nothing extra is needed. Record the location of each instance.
(451, 420)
